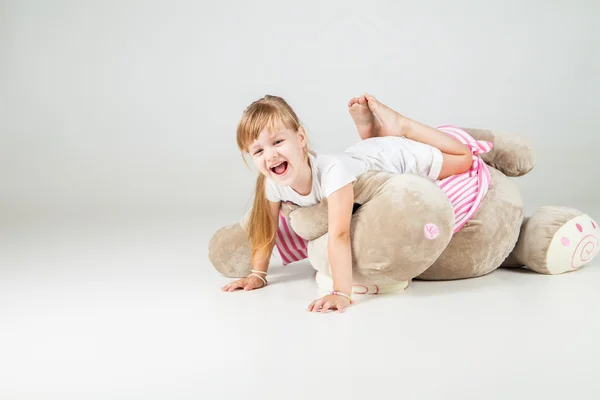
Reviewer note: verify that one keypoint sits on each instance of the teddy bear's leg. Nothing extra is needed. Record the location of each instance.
(511, 154)
(555, 240)
(325, 285)
(373, 283)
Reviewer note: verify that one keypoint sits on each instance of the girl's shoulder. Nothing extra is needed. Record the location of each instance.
(324, 161)
(333, 172)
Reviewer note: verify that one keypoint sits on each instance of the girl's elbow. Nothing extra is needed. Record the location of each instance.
(341, 235)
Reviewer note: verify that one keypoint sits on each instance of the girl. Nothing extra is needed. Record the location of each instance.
(270, 132)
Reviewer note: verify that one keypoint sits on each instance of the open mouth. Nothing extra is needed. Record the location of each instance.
(280, 168)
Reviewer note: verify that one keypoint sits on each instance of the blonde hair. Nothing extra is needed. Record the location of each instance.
(263, 113)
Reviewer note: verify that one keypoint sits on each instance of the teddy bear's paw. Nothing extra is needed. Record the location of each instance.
(574, 245)
(325, 285)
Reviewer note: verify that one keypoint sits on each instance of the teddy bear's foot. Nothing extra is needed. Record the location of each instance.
(325, 285)
(556, 240)
(574, 245)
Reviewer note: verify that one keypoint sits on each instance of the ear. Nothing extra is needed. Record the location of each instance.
(301, 136)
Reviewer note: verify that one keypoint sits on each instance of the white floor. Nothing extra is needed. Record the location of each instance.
(136, 312)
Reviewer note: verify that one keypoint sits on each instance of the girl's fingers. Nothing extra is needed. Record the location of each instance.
(244, 283)
(321, 305)
(317, 305)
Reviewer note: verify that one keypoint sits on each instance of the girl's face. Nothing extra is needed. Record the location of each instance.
(280, 155)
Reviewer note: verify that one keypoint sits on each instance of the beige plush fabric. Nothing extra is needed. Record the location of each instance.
(311, 222)
(388, 239)
(487, 239)
(511, 154)
(536, 234)
(229, 251)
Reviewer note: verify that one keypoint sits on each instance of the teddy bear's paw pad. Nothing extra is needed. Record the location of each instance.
(325, 284)
(574, 245)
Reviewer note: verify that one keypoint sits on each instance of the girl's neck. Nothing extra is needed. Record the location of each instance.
(303, 185)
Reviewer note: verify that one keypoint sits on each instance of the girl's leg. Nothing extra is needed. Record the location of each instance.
(457, 156)
(366, 123)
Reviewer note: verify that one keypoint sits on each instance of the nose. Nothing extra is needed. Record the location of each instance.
(271, 154)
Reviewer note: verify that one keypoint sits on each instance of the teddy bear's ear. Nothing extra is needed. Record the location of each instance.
(512, 154)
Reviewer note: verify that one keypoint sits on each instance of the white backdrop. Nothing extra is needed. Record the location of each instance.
(130, 108)
(117, 141)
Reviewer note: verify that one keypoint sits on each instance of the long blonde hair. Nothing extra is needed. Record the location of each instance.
(266, 112)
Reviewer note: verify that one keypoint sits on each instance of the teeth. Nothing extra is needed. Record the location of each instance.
(273, 166)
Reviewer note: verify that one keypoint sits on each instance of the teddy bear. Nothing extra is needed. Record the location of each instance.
(402, 229)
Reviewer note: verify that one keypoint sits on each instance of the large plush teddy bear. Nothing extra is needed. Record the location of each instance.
(403, 229)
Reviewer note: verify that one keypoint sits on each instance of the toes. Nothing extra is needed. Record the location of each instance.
(370, 98)
(373, 104)
(362, 100)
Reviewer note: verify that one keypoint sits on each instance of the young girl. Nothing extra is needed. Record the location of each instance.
(270, 132)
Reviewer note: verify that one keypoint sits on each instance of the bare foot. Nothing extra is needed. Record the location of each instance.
(392, 123)
(367, 125)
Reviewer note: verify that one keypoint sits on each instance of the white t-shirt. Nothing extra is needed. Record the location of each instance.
(331, 172)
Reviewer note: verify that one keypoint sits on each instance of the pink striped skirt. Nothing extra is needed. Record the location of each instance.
(465, 191)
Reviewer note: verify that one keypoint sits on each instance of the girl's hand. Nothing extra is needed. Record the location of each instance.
(331, 301)
(249, 283)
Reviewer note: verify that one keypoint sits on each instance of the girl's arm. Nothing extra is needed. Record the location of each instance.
(457, 156)
(260, 262)
(339, 206)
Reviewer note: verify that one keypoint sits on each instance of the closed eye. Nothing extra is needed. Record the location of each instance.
(278, 141)
(258, 151)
